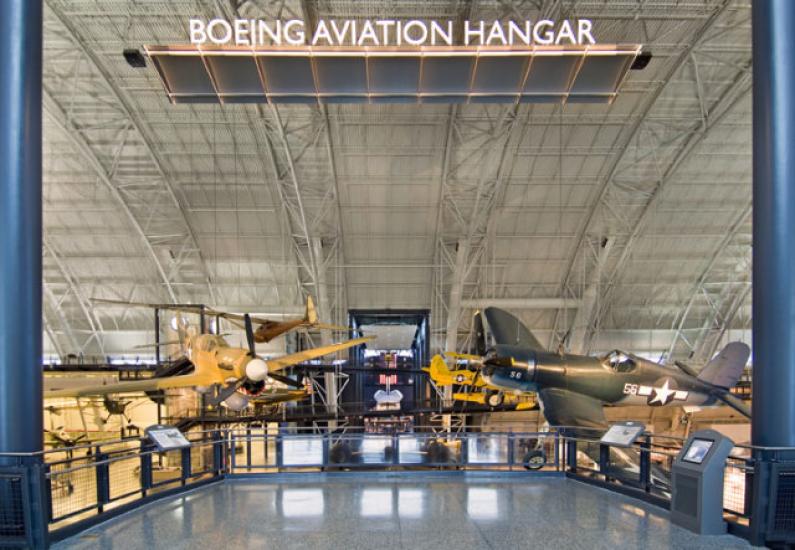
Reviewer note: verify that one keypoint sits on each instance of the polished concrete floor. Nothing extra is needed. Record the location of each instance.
(411, 511)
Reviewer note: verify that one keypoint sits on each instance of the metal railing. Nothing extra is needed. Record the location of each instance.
(86, 484)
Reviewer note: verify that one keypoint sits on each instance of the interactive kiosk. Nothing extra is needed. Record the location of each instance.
(697, 483)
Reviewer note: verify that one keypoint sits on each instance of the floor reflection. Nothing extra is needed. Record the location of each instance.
(302, 503)
(482, 503)
(400, 511)
(376, 503)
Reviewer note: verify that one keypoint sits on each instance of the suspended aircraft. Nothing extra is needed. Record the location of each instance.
(573, 389)
(480, 391)
(230, 376)
(267, 329)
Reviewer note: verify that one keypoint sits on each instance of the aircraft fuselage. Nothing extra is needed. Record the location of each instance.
(622, 379)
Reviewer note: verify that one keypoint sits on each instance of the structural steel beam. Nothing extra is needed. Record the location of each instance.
(521, 303)
(61, 121)
(139, 125)
(737, 91)
(679, 62)
(94, 324)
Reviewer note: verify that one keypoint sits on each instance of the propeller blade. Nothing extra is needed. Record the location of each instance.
(686, 369)
(249, 334)
(225, 392)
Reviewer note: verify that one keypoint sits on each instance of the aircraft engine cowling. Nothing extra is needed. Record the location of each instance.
(236, 402)
(257, 370)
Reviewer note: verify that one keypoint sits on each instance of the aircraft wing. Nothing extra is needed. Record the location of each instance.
(133, 386)
(568, 408)
(509, 330)
(279, 363)
(326, 326)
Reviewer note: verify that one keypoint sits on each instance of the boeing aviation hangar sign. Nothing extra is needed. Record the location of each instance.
(392, 61)
(389, 33)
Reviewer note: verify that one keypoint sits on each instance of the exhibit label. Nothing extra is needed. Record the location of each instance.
(388, 33)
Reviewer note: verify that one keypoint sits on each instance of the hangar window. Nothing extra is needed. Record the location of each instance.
(619, 361)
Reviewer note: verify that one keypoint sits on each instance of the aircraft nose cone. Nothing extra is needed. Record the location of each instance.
(257, 370)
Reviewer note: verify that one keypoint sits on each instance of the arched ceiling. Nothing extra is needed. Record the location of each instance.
(637, 213)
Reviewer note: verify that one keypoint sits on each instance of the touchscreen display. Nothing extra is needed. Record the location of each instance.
(697, 451)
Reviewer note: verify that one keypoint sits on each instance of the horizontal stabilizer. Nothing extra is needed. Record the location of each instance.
(725, 369)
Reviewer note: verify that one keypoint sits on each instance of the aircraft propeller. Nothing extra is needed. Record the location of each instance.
(229, 390)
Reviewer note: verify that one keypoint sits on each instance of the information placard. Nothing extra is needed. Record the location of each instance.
(623, 434)
(167, 438)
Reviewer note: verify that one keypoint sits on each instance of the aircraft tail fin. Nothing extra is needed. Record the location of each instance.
(725, 369)
(507, 329)
(311, 313)
(479, 344)
(438, 370)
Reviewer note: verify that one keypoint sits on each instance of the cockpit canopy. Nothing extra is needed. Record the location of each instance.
(208, 342)
(619, 361)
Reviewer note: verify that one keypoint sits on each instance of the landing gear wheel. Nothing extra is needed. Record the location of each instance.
(495, 399)
(534, 460)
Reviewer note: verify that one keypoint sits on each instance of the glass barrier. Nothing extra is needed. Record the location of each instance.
(301, 451)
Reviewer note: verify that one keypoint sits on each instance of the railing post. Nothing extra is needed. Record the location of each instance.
(604, 460)
(645, 464)
(232, 452)
(218, 453)
(511, 447)
(748, 495)
(102, 478)
(248, 448)
(326, 447)
(47, 492)
(279, 453)
(395, 448)
(571, 455)
(557, 451)
(185, 463)
(146, 467)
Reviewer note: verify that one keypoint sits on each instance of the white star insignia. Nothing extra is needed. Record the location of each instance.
(661, 395)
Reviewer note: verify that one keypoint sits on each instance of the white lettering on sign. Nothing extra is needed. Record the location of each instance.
(388, 32)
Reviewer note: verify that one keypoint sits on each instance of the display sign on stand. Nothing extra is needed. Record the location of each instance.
(167, 438)
(623, 434)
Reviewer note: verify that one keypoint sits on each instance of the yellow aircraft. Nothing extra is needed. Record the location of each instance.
(482, 393)
(267, 329)
(238, 374)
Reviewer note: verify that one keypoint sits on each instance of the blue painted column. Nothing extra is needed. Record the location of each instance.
(20, 226)
(773, 421)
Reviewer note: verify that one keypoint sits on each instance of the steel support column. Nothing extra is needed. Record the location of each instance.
(20, 263)
(774, 224)
(20, 240)
(773, 421)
